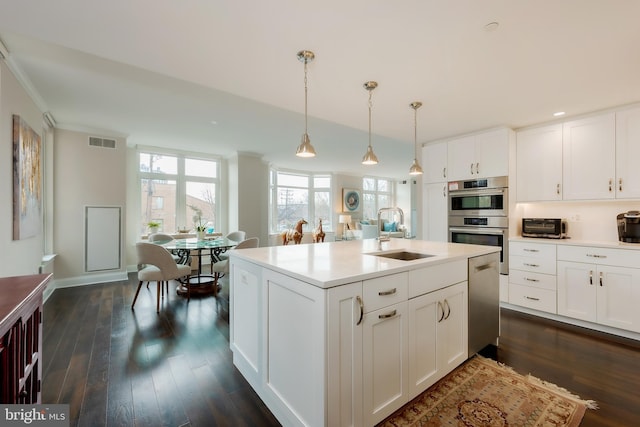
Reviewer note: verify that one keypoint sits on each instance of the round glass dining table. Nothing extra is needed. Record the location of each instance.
(200, 283)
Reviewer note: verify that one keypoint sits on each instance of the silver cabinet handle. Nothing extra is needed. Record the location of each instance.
(388, 315)
(610, 185)
(601, 278)
(558, 189)
(477, 168)
(531, 280)
(531, 250)
(444, 190)
(484, 266)
(531, 265)
(532, 298)
(590, 277)
(361, 309)
(444, 172)
(471, 168)
(596, 256)
(620, 184)
(442, 310)
(448, 309)
(389, 292)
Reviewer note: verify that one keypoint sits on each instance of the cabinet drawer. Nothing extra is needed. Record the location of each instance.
(535, 280)
(530, 297)
(429, 279)
(536, 265)
(604, 256)
(534, 250)
(383, 291)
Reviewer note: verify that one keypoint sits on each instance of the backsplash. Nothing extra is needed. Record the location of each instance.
(587, 220)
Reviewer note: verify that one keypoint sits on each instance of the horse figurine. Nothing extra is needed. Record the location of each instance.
(294, 233)
(318, 234)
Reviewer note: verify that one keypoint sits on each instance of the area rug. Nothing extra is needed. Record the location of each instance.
(484, 393)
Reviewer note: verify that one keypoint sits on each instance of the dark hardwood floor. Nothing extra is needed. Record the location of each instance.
(118, 367)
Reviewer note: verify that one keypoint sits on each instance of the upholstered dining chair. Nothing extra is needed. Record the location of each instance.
(236, 236)
(159, 267)
(220, 268)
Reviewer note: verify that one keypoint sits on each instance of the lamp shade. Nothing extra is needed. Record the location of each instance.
(344, 219)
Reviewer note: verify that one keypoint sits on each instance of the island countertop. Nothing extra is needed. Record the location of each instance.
(337, 263)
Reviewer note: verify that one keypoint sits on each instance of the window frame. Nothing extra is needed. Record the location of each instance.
(377, 193)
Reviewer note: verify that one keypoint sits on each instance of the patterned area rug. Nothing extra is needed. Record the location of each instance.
(482, 392)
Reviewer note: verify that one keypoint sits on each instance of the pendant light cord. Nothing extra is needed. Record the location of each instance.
(370, 105)
(305, 96)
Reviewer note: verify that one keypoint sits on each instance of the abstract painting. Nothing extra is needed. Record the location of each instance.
(350, 200)
(27, 180)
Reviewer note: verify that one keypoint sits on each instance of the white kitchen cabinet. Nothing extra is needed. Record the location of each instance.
(600, 285)
(434, 162)
(539, 164)
(627, 154)
(532, 276)
(481, 155)
(589, 153)
(435, 212)
(437, 335)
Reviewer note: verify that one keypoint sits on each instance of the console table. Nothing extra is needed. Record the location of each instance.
(21, 338)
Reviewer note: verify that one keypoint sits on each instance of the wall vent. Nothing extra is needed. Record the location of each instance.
(102, 142)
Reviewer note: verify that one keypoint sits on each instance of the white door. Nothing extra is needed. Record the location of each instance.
(385, 362)
(588, 162)
(344, 355)
(627, 154)
(619, 297)
(492, 153)
(539, 164)
(424, 313)
(461, 158)
(435, 211)
(577, 290)
(453, 328)
(434, 162)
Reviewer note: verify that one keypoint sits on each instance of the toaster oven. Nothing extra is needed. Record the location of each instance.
(549, 228)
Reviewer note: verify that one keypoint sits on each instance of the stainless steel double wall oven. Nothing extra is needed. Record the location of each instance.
(479, 214)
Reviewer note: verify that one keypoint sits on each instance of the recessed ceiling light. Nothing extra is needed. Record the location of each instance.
(213, 122)
(558, 114)
(491, 26)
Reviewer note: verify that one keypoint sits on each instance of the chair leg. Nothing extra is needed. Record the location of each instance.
(188, 289)
(137, 292)
(216, 276)
(158, 297)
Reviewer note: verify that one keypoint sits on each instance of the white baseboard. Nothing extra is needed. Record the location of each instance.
(89, 279)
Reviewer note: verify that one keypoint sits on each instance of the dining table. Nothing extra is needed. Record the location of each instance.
(200, 283)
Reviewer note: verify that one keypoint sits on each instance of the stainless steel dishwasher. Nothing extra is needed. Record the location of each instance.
(484, 302)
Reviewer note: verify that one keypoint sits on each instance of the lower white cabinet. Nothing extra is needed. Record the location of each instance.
(437, 335)
(532, 275)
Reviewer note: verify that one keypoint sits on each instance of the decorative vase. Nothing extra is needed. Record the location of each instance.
(200, 235)
(153, 230)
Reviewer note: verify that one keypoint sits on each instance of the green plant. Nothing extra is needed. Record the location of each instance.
(153, 224)
(198, 223)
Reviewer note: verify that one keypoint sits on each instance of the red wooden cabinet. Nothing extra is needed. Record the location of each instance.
(21, 338)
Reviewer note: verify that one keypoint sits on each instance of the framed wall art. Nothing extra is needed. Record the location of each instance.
(27, 180)
(351, 200)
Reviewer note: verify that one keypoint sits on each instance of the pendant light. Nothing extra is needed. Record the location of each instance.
(370, 158)
(305, 149)
(415, 168)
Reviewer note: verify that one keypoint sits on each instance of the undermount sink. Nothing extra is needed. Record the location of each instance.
(403, 255)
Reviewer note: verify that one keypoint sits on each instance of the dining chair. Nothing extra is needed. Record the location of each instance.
(236, 236)
(159, 267)
(220, 268)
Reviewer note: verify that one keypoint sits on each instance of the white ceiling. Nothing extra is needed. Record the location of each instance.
(160, 71)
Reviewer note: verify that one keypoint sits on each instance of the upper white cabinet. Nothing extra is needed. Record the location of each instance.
(434, 162)
(589, 153)
(539, 160)
(481, 155)
(627, 153)
(434, 212)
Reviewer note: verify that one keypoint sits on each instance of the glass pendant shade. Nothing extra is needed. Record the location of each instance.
(370, 157)
(305, 149)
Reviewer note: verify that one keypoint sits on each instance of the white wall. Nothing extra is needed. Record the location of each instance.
(19, 257)
(248, 196)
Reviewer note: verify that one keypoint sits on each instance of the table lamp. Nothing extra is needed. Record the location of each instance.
(345, 220)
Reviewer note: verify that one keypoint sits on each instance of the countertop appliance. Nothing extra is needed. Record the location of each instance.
(484, 302)
(629, 227)
(547, 228)
(478, 214)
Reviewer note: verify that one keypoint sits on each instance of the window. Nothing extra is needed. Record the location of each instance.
(175, 188)
(376, 194)
(298, 195)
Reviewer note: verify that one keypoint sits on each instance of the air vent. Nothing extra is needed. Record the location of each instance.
(102, 142)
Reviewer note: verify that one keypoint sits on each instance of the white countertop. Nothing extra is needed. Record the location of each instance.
(574, 242)
(336, 263)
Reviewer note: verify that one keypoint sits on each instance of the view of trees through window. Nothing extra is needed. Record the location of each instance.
(376, 194)
(296, 196)
(177, 192)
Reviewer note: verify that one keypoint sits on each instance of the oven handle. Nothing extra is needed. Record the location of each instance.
(477, 192)
(495, 231)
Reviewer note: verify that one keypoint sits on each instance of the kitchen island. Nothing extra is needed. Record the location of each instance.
(340, 333)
